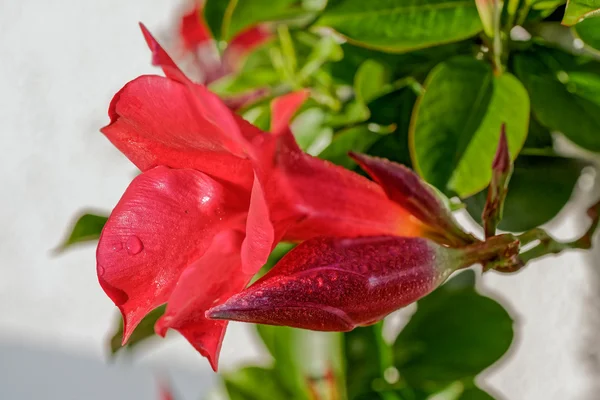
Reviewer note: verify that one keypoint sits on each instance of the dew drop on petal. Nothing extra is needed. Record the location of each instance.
(100, 270)
(134, 245)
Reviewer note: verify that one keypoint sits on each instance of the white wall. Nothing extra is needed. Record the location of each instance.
(60, 64)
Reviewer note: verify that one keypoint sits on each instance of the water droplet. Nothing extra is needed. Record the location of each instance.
(117, 246)
(134, 245)
(100, 270)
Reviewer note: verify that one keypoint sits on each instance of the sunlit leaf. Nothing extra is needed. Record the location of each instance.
(456, 124)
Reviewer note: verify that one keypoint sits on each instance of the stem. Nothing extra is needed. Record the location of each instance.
(495, 252)
(548, 245)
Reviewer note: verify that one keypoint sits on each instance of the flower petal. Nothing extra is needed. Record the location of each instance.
(260, 233)
(213, 278)
(165, 221)
(408, 190)
(192, 29)
(331, 284)
(154, 122)
(283, 109)
(330, 200)
(208, 105)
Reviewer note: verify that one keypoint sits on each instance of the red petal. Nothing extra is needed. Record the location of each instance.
(408, 190)
(154, 122)
(193, 30)
(333, 201)
(214, 277)
(283, 109)
(165, 221)
(259, 239)
(208, 105)
(337, 284)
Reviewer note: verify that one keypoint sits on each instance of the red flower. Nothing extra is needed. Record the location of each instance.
(214, 197)
(336, 284)
(205, 64)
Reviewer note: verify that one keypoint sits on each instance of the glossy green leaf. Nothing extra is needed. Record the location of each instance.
(455, 334)
(539, 188)
(578, 9)
(539, 139)
(456, 124)
(588, 30)
(255, 383)
(400, 26)
(141, 334)
(87, 228)
(367, 357)
(358, 138)
(557, 102)
(227, 18)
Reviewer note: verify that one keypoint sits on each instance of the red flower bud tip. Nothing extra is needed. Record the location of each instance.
(336, 284)
(404, 187)
(502, 161)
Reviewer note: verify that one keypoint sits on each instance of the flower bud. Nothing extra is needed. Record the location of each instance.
(336, 284)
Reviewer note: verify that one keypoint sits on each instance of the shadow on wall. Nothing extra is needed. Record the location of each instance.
(590, 351)
(27, 373)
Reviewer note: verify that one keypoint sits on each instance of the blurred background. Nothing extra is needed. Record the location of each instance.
(61, 62)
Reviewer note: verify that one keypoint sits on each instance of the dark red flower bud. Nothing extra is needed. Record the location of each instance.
(330, 284)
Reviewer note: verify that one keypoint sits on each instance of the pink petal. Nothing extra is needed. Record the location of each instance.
(165, 221)
(333, 284)
(211, 279)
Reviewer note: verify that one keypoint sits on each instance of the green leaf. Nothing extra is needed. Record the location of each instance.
(539, 188)
(371, 81)
(87, 228)
(455, 334)
(255, 383)
(310, 131)
(456, 124)
(539, 138)
(285, 345)
(588, 30)
(141, 334)
(401, 26)
(227, 18)
(578, 9)
(358, 138)
(559, 103)
(367, 358)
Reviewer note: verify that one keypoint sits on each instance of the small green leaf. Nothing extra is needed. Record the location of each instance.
(559, 102)
(371, 81)
(358, 138)
(141, 334)
(456, 124)
(87, 228)
(396, 27)
(310, 131)
(578, 9)
(539, 188)
(455, 334)
(255, 383)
